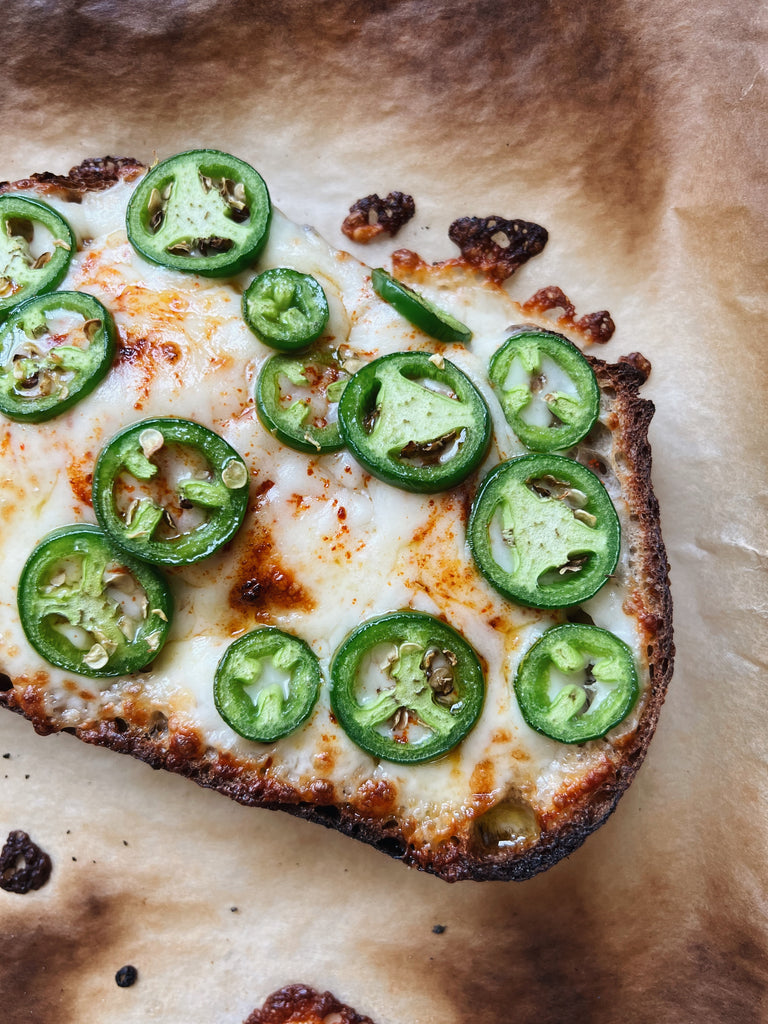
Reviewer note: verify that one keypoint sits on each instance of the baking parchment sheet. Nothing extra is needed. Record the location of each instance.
(636, 133)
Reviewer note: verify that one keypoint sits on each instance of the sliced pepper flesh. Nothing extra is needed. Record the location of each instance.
(36, 247)
(415, 421)
(203, 212)
(406, 687)
(297, 399)
(427, 316)
(87, 608)
(543, 531)
(285, 309)
(54, 350)
(267, 684)
(204, 491)
(576, 683)
(547, 389)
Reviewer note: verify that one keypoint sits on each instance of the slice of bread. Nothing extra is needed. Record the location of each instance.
(324, 547)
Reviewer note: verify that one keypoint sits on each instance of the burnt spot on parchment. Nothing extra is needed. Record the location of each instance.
(45, 957)
(558, 950)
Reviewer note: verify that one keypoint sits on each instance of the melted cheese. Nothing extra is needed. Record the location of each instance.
(324, 546)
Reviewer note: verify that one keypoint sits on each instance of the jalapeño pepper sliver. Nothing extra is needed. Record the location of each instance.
(54, 350)
(417, 310)
(576, 683)
(36, 246)
(297, 400)
(203, 211)
(87, 608)
(544, 531)
(267, 684)
(406, 687)
(285, 309)
(547, 389)
(415, 421)
(180, 514)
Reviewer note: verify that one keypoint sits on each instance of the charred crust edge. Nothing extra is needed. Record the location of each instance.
(23, 865)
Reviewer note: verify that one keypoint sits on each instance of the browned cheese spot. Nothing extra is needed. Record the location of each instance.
(593, 327)
(496, 245)
(185, 743)
(146, 355)
(372, 216)
(27, 695)
(135, 350)
(571, 796)
(483, 778)
(321, 792)
(406, 261)
(262, 583)
(299, 1004)
(640, 363)
(375, 797)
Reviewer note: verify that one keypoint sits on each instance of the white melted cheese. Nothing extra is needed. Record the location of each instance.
(353, 546)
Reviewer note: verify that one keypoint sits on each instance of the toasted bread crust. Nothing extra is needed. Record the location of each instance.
(185, 752)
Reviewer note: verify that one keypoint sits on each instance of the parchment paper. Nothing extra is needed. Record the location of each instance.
(636, 134)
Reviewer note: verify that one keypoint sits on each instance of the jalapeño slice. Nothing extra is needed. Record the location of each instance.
(203, 211)
(547, 389)
(285, 309)
(576, 683)
(417, 310)
(415, 421)
(266, 684)
(406, 687)
(297, 400)
(54, 350)
(36, 246)
(169, 491)
(543, 531)
(87, 608)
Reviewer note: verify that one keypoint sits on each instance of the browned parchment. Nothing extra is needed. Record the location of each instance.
(636, 134)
